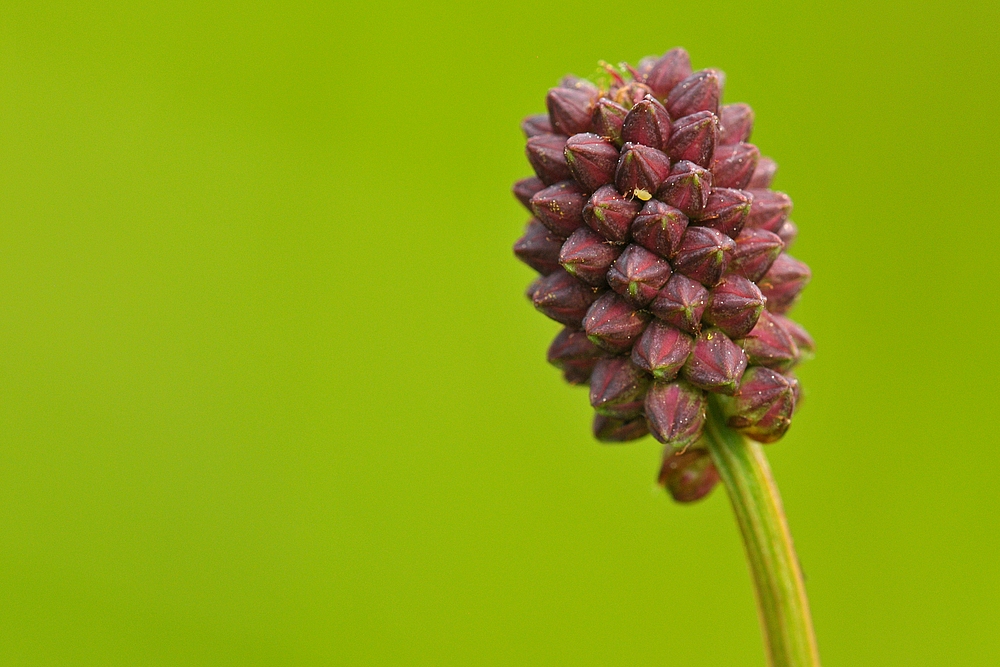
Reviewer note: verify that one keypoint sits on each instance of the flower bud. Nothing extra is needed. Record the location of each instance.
(560, 207)
(783, 282)
(726, 211)
(787, 233)
(716, 363)
(538, 248)
(643, 68)
(681, 303)
(638, 275)
(592, 160)
(631, 94)
(756, 250)
(570, 108)
(700, 91)
(763, 174)
(769, 344)
(659, 228)
(575, 82)
(704, 254)
(694, 138)
(609, 214)
(688, 475)
(648, 124)
(563, 298)
(536, 125)
(686, 188)
(526, 188)
(588, 256)
(804, 342)
(613, 324)
(675, 413)
(664, 73)
(737, 123)
(617, 388)
(770, 209)
(662, 350)
(574, 354)
(762, 408)
(546, 153)
(641, 171)
(732, 166)
(734, 305)
(607, 120)
(609, 429)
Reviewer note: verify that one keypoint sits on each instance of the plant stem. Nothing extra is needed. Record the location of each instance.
(789, 640)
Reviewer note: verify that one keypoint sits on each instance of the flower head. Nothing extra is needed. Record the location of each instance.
(662, 251)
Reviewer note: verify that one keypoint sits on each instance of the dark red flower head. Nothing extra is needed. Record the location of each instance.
(662, 250)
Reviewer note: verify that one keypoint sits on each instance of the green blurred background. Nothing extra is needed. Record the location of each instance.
(271, 393)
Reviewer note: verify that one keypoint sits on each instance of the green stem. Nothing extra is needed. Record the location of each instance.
(781, 597)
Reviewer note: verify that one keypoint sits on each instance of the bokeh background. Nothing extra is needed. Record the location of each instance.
(271, 393)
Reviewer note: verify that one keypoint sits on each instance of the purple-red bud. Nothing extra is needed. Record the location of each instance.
(609, 429)
(787, 233)
(783, 282)
(588, 256)
(763, 174)
(546, 153)
(539, 248)
(664, 73)
(610, 214)
(526, 188)
(737, 123)
(700, 91)
(681, 303)
(570, 108)
(770, 209)
(762, 408)
(579, 83)
(607, 120)
(756, 250)
(536, 125)
(716, 363)
(644, 66)
(592, 160)
(574, 354)
(694, 138)
(613, 324)
(804, 342)
(688, 475)
(727, 211)
(659, 228)
(631, 94)
(687, 188)
(734, 305)
(617, 388)
(704, 254)
(560, 207)
(662, 350)
(675, 412)
(732, 166)
(638, 275)
(641, 171)
(562, 297)
(770, 344)
(648, 124)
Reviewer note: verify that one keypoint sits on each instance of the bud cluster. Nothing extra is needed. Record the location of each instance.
(662, 250)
